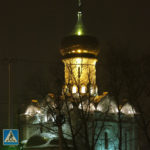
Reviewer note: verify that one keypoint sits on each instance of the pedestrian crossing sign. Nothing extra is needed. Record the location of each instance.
(10, 137)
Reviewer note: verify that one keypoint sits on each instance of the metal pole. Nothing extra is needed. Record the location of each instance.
(9, 94)
(10, 103)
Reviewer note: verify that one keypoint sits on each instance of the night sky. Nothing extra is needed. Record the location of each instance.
(31, 31)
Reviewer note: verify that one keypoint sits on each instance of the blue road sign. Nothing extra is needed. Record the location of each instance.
(10, 137)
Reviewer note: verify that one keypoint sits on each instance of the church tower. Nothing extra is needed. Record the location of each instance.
(80, 51)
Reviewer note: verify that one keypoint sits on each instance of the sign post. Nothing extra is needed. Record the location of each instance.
(10, 137)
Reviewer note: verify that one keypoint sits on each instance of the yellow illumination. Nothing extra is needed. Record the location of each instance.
(85, 51)
(99, 97)
(74, 89)
(79, 51)
(105, 93)
(34, 100)
(96, 90)
(79, 32)
(78, 60)
(86, 67)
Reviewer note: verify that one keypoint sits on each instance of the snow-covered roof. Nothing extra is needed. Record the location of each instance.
(32, 110)
(68, 104)
(128, 109)
(107, 105)
(87, 106)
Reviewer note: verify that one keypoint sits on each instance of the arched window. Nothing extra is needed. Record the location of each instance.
(74, 89)
(83, 89)
(96, 90)
(91, 90)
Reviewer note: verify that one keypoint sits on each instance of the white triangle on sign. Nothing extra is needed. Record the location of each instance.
(10, 137)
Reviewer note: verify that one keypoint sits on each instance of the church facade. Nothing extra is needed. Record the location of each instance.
(83, 117)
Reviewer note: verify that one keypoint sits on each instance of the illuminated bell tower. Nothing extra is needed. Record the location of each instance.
(79, 52)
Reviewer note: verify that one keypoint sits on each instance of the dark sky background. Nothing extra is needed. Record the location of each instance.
(31, 30)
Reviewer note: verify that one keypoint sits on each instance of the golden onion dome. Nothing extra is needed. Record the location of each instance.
(79, 43)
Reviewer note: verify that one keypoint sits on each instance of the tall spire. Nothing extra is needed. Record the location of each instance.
(79, 29)
(79, 5)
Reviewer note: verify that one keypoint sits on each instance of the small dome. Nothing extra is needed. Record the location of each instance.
(32, 110)
(36, 140)
(68, 104)
(107, 105)
(128, 109)
(87, 106)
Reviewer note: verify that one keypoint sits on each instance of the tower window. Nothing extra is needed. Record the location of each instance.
(74, 89)
(96, 90)
(79, 51)
(106, 140)
(83, 89)
(91, 90)
(79, 60)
